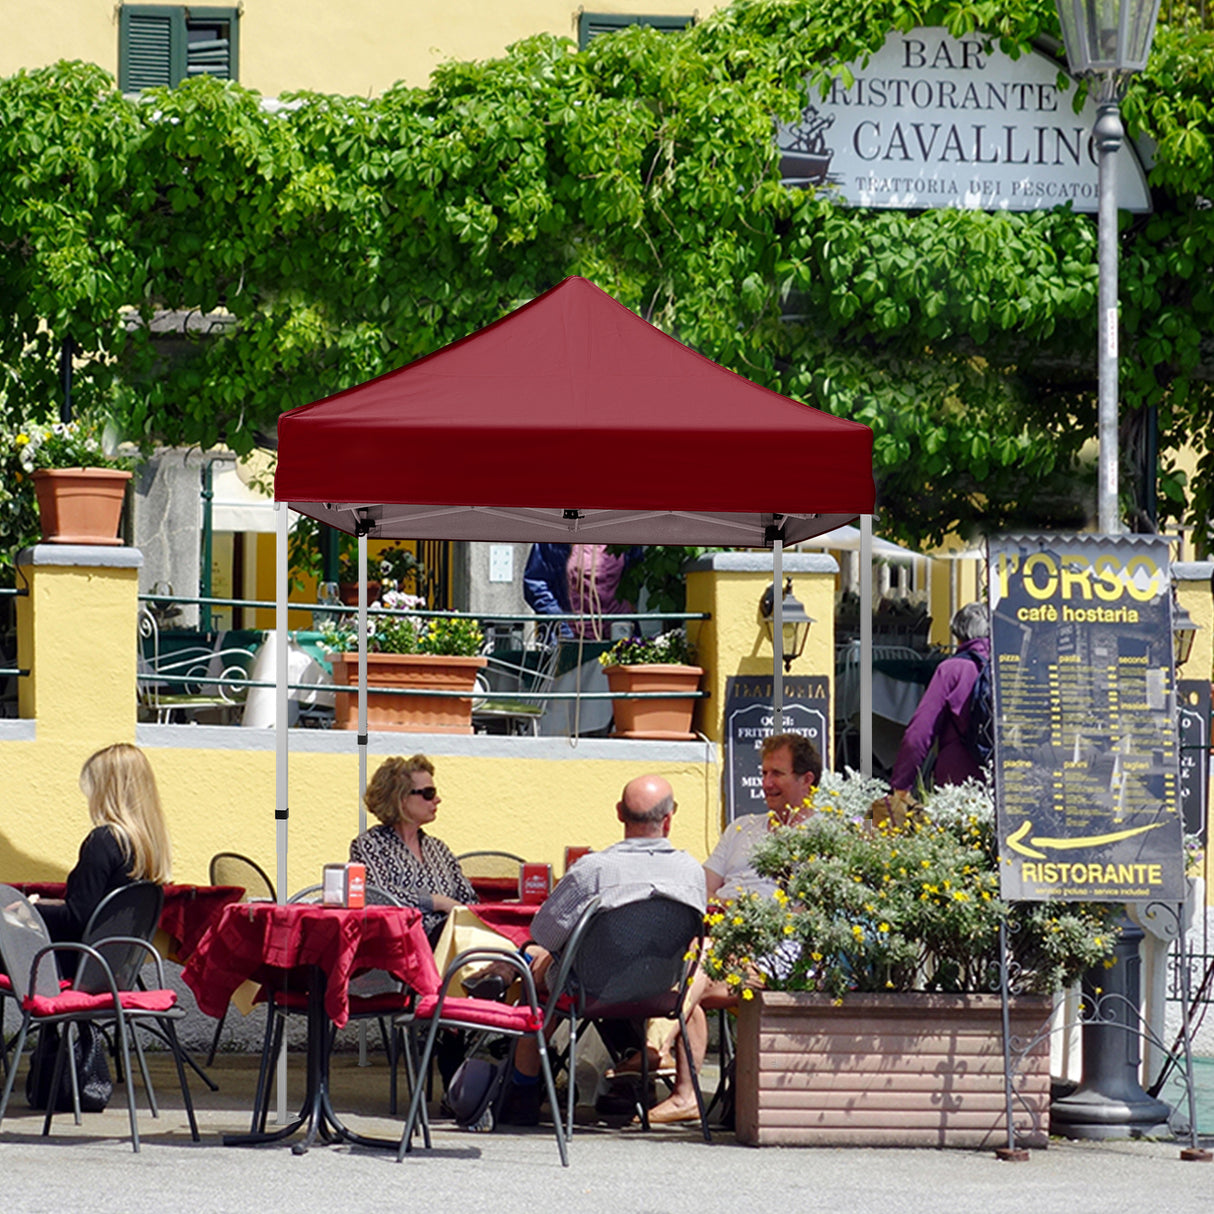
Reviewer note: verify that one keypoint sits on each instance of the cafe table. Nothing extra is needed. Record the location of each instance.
(188, 912)
(305, 946)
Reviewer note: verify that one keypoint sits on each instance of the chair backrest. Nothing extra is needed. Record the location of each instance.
(636, 960)
(22, 934)
(231, 868)
(500, 864)
(132, 911)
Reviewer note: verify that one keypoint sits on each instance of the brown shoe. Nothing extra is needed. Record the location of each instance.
(662, 1115)
(659, 1067)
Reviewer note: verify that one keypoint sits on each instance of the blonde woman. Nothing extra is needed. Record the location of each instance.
(400, 856)
(129, 840)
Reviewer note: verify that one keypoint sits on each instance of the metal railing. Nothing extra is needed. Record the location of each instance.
(325, 613)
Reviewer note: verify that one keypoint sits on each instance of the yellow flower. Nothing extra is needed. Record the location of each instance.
(747, 993)
(883, 927)
(789, 929)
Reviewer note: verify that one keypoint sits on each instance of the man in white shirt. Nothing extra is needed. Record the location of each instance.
(791, 769)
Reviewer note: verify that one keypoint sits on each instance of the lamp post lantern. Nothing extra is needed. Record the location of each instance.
(1107, 41)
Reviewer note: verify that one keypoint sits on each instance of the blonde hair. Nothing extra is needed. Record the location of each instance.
(393, 778)
(121, 791)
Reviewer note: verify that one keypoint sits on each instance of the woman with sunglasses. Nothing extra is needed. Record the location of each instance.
(399, 855)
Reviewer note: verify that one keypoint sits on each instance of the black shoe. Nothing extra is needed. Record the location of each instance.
(520, 1105)
(485, 986)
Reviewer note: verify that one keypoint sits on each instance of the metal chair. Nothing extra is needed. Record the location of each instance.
(493, 874)
(189, 680)
(479, 1016)
(231, 868)
(526, 674)
(104, 990)
(631, 962)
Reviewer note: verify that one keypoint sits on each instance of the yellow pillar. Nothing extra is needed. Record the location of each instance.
(76, 633)
(730, 585)
(1193, 588)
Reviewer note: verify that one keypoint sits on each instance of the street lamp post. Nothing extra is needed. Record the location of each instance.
(1107, 41)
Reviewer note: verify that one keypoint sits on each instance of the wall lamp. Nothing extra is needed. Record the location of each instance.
(796, 623)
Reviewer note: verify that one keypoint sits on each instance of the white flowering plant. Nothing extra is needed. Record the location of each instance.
(864, 907)
(450, 636)
(669, 648)
(28, 446)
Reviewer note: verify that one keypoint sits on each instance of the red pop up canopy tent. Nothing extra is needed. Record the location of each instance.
(573, 418)
(569, 419)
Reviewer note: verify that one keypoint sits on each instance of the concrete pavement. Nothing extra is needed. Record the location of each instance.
(616, 1170)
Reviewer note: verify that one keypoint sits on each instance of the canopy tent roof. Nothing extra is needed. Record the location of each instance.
(572, 418)
(850, 539)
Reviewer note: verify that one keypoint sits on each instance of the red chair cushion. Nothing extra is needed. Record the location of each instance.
(69, 1002)
(483, 1013)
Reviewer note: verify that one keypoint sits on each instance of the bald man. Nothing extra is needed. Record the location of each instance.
(644, 863)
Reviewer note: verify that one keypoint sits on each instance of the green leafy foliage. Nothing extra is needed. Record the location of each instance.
(301, 248)
(873, 908)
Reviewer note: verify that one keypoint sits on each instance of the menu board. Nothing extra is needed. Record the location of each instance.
(1086, 726)
(749, 719)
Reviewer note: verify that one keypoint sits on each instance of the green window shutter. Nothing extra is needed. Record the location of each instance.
(146, 39)
(163, 45)
(591, 25)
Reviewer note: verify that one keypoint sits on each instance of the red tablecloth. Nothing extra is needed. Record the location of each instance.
(264, 941)
(510, 919)
(189, 910)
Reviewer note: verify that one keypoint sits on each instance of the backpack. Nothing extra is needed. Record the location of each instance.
(474, 1092)
(980, 736)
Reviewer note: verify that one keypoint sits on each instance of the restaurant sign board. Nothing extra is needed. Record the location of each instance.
(1086, 728)
(936, 121)
(749, 719)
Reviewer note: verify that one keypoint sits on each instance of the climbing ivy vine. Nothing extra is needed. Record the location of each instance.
(323, 240)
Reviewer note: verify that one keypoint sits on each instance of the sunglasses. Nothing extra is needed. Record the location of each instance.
(426, 794)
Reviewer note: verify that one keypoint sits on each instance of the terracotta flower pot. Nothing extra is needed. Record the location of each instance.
(889, 1070)
(657, 718)
(80, 505)
(348, 592)
(418, 714)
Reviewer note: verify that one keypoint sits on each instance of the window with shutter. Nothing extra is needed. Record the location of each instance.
(591, 25)
(163, 45)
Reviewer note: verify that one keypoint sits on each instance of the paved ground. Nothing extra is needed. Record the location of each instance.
(616, 1170)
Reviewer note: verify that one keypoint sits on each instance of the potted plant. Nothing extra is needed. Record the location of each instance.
(436, 653)
(653, 664)
(78, 486)
(868, 1009)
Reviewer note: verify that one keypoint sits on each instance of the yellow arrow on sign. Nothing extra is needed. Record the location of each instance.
(1016, 839)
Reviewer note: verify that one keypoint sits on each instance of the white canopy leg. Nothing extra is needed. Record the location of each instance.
(777, 636)
(281, 749)
(866, 644)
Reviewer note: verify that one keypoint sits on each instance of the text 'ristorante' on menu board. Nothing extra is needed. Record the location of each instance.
(1086, 770)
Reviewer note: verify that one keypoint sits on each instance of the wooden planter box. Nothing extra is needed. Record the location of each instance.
(418, 714)
(896, 1070)
(656, 718)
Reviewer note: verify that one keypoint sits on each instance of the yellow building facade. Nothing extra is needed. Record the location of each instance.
(532, 796)
(357, 48)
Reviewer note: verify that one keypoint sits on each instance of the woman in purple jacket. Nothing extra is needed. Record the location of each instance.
(943, 715)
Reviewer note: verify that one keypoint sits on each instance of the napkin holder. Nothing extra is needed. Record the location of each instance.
(534, 882)
(345, 885)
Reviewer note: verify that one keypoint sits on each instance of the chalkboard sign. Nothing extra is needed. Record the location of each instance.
(748, 720)
(1086, 734)
(1194, 709)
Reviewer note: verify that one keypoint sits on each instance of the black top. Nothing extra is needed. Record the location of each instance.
(101, 867)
